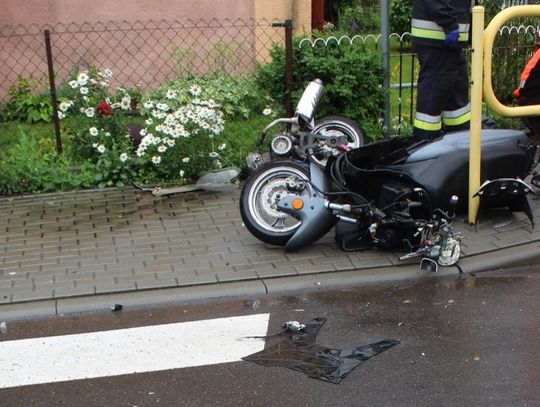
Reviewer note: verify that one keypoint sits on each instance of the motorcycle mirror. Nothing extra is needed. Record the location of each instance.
(429, 265)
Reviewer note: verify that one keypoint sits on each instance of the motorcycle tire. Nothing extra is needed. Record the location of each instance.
(340, 126)
(262, 191)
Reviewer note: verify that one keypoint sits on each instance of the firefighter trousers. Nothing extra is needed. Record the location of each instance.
(442, 91)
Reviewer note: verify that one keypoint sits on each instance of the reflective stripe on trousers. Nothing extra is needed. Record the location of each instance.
(457, 117)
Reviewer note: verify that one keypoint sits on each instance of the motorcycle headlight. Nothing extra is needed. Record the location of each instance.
(450, 251)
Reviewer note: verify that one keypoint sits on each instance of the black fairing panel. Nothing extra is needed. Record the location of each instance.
(441, 166)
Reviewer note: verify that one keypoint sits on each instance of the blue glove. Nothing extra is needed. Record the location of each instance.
(451, 39)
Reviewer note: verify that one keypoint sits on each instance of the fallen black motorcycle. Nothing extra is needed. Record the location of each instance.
(397, 193)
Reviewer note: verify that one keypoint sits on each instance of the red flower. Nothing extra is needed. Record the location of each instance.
(104, 108)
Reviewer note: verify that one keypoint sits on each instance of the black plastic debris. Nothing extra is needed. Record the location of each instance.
(297, 350)
(116, 307)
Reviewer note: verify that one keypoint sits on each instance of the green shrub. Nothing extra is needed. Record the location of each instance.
(96, 119)
(31, 165)
(182, 134)
(359, 18)
(238, 97)
(197, 124)
(352, 75)
(26, 106)
(400, 16)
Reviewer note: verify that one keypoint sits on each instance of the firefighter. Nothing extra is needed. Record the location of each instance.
(528, 91)
(440, 31)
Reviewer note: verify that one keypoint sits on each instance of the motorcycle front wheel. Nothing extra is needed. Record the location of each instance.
(261, 193)
(338, 126)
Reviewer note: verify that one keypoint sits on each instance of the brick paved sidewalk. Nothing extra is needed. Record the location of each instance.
(109, 241)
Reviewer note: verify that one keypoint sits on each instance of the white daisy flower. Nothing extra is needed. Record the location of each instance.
(156, 159)
(125, 103)
(89, 112)
(93, 131)
(82, 78)
(163, 106)
(65, 105)
(195, 90)
(123, 157)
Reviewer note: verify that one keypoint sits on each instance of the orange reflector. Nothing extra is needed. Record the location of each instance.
(297, 204)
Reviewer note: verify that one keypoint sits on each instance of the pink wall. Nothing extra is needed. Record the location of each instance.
(24, 12)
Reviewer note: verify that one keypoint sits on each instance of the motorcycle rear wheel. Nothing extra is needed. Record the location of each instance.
(262, 191)
(338, 126)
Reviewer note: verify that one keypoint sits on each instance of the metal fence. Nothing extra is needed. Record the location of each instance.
(141, 53)
(145, 54)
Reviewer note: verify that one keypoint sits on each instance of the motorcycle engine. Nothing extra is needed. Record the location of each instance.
(396, 236)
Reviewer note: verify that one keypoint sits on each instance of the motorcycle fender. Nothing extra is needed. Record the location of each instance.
(316, 219)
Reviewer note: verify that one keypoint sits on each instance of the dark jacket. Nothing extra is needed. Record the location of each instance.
(432, 19)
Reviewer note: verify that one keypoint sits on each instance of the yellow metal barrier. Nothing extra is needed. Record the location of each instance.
(476, 109)
(482, 48)
(489, 37)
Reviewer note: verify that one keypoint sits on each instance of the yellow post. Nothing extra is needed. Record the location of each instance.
(476, 108)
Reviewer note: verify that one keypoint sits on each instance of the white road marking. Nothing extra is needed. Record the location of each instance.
(126, 351)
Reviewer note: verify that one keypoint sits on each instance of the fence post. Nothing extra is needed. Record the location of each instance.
(52, 86)
(385, 38)
(289, 83)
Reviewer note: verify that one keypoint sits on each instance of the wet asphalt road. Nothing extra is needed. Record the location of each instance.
(471, 341)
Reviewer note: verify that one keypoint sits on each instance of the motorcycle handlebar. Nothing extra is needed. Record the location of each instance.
(290, 120)
(451, 212)
(452, 207)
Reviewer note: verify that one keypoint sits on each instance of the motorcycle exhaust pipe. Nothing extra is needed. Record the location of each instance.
(307, 105)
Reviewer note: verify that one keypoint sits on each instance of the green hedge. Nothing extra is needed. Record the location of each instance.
(352, 75)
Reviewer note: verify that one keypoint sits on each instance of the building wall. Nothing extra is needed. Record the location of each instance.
(297, 10)
(160, 47)
(25, 12)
